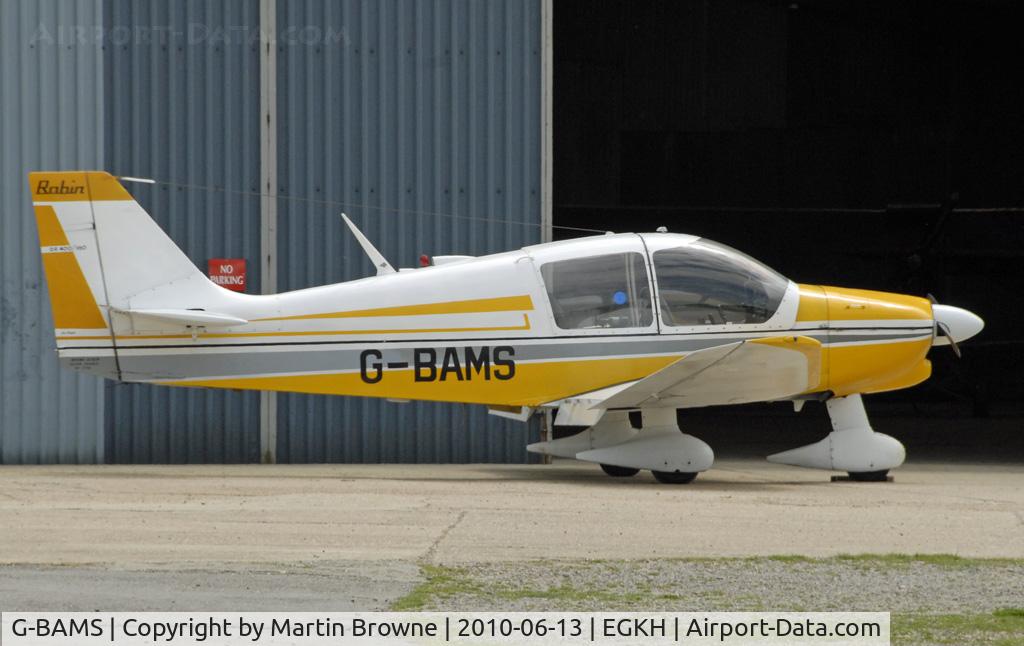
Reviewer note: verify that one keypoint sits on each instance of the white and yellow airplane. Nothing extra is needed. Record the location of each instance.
(596, 327)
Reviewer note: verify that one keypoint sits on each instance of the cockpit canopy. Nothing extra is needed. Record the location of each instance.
(698, 283)
(706, 283)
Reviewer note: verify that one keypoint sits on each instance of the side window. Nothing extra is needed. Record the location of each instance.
(608, 291)
(710, 284)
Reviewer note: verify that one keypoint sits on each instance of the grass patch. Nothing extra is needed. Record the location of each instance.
(938, 560)
(440, 583)
(1003, 627)
(888, 560)
(444, 583)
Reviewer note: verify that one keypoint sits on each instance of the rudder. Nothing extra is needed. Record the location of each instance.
(71, 262)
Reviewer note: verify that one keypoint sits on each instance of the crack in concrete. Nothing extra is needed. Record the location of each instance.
(429, 554)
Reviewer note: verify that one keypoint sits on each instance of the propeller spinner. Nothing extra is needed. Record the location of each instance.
(955, 323)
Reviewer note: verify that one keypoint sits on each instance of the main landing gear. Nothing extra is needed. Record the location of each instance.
(664, 477)
(623, 451)
(674, 457)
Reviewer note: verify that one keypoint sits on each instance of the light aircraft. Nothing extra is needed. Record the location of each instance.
(596, 327)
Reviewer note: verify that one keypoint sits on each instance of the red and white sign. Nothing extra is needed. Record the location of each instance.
(228, 273)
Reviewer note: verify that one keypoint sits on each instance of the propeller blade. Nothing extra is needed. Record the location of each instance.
(952, 342)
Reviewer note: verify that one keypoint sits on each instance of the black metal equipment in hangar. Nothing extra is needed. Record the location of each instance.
(863, 144)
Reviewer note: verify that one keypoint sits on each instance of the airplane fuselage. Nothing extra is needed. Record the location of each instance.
(483, 330)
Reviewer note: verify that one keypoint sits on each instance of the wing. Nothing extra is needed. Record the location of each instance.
(735, 373)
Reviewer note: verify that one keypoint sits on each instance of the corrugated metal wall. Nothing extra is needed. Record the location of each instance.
(404, 114)
(421, 120)
(50, 106)
(182, 106)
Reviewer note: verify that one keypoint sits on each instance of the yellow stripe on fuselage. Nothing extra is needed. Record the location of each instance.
(474, 306)
(239, 335)
(533, 383)
(855, 368)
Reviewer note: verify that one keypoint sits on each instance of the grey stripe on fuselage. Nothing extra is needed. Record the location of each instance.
(147, 364)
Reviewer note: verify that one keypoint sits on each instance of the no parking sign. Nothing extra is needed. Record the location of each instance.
(228, 273)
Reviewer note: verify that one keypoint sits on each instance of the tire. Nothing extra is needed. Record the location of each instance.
(869, 476)
(619, 472)
(674, 477)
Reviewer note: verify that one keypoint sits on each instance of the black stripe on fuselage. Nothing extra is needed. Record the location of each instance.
(811, 332)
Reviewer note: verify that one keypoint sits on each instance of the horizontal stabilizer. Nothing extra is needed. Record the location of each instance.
(193, 318)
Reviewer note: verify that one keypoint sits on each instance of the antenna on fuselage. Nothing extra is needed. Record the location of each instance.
(376, 257)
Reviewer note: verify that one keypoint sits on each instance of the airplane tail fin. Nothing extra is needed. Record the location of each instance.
(104, 256)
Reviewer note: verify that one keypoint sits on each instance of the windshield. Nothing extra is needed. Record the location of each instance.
(706, 283)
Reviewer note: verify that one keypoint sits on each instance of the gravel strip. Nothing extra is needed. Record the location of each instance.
(207, 587)
(734, 584)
